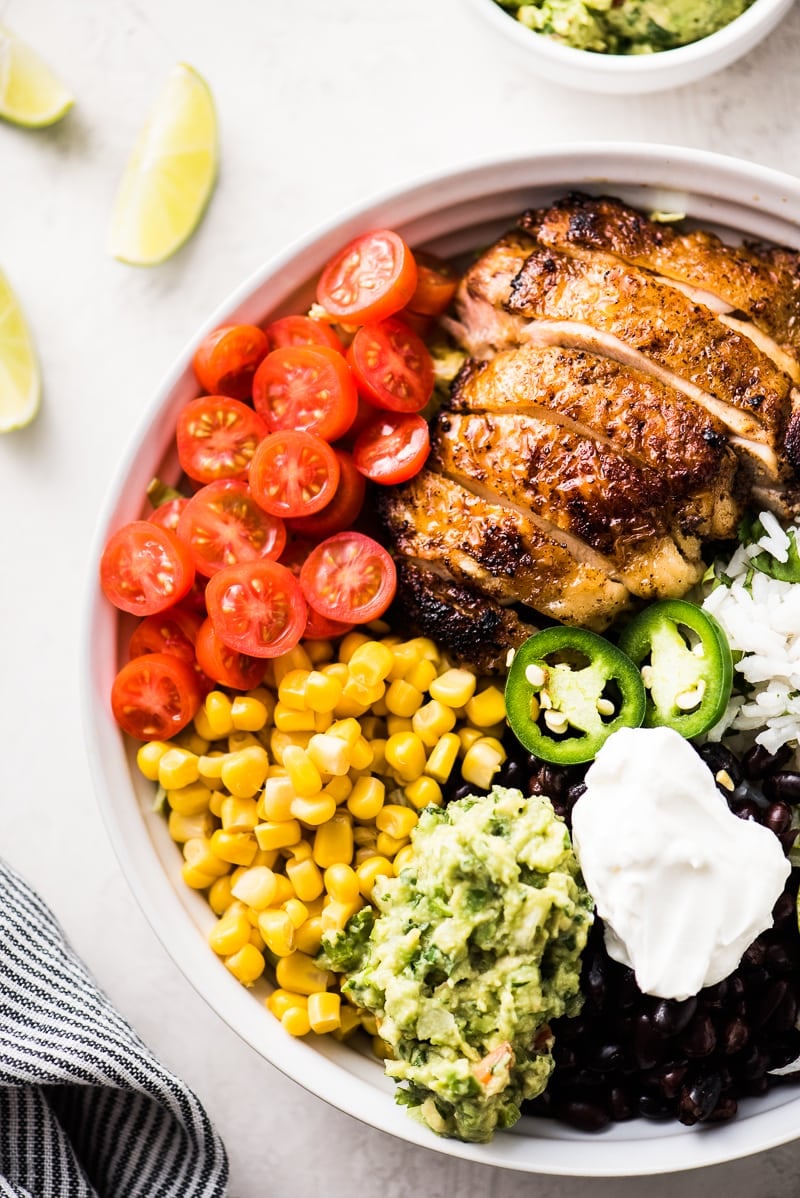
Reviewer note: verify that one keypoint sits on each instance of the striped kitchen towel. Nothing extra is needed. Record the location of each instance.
(85, 1108)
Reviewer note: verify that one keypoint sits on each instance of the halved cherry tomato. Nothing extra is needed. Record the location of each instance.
(393, 447)
(217, 438)
(301, 330)
(437, 283)
(371, 278)
(349, 577)
(392, 366)
(145, 569)
(419, 324)
(222, 524)
(306, 387)
(293, 474)
(173, 631)
(343, 509)
(226, 360)
(228, 667)
(154, 696)
(257, 608)
(166, 515)
(318, 628)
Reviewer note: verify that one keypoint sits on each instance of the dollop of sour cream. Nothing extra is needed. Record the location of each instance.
(683, 886)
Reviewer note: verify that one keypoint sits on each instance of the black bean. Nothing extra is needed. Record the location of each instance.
(606, 1057)
(714, 996)
(629, 993)
(698, 1100)
(595, 981)
(668, 1080)
(653, 1107)
(699, 1039)
(783, 786)
(461, 792)
(748, 809)
(778, 961)
(778, 818)
(620, 1104)
(718, 758)
(787, 839)
(754, 1063)
(754, 955)
(758, 762)
(785, 910)
(735, 1035)
(575, 791)
(647, 1041)
(725, 1109)
(513, 775)
(671, 1015)
(785, 1052)
(586, 1116)
(784, 1016)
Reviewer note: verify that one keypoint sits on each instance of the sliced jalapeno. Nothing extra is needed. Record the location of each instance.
(686, 665)
(567, 690)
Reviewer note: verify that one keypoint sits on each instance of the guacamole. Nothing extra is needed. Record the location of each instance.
(626, 26)
(475, 949)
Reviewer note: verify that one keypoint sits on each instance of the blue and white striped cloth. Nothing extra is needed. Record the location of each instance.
(86, 1111)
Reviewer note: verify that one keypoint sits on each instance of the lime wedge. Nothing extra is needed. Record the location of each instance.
(30, 94)
(20, 384)
(170, 174)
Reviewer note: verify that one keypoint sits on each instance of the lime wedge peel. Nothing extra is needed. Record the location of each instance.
(20, 382)
(170, 175)
(30, 94)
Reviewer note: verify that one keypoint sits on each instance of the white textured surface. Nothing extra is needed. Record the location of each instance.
(320, 103)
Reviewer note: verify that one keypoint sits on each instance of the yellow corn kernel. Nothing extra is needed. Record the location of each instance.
(289, 719)
(278, 931)
(347, 730)
(177, 768)
(301, 973)
(297, 912)
(256, 887)
(231, 932)
(245, 771)
(405, 657)
(296, 852)
(349, 643)
(295, 659)
(336, 914)
(350, 708)
(319, 652)
(281, 1001)
(238, 815)
(396, 820)
(215, 800)
(266, 857)
(482, 761)
(219, 895)
(467, 737)
(292, 690)
(398, 723)
(405, 753)
(257, 940)
(366, 798)
(372, 728)
(323, 1012)
(369, 1023)
(341, 883)
(486, 707)
(276, 801)
(322, 692)
(247, 965)
(329, 753)
(422, 674)
(427, 649)
(433, 721)
(191, 740)
(202, 726)
(248, 714)
(364, 852)
(285, 890)
(199, 853)
(149, 755)
(277, 834)
(380, 709)
(306, 878)
(349, 1022)
(402, 698)
(333, 841)
(239, 848)
(404, 857)
(424, 792)
(322, 721)
(243, 740)
(339, 789)
(370, 663)
(309, 936)
(280, 741)
(382, 1050)
(209, 765)
(370, 870)
(442, 758)
(295, 1022)
(314, 812)
(335, 669)
(194, 877)
(189, 800)
(217, 708)
(389, 846)
(304, 775)
(378, 747)
(186, 827)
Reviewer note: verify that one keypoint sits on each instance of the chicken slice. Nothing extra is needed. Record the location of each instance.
(499, 550)
(648, 422)
(573, 484)
(469, 626)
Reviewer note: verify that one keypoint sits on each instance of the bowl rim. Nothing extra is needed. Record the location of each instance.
(552, 1152)
(718, 44)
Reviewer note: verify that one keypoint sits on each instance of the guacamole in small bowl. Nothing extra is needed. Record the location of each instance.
(626, 26)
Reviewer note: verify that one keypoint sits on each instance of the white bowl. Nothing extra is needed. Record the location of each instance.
(626, 73)
(449, 213)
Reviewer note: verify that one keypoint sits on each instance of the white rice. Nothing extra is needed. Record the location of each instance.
(761, 617)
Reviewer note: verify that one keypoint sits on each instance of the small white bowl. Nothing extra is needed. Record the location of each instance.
(628, 73)
(449, 214)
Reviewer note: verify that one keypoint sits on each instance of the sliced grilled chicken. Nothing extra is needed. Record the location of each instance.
(500, 551)
(467, 624)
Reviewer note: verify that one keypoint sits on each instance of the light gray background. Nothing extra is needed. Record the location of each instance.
(321, 103)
